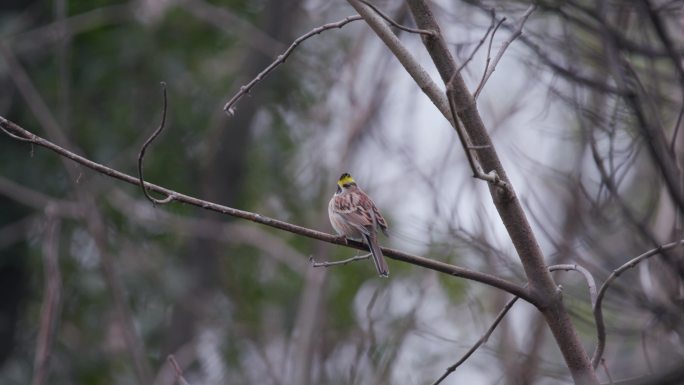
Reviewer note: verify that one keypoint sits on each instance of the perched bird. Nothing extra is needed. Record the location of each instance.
(354, 215)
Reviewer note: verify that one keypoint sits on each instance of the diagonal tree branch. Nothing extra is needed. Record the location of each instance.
(405, 57)
(17, 132)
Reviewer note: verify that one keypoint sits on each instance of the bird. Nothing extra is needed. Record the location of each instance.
(354, 215)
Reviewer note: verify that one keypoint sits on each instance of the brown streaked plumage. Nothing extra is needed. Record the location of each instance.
(354, 215)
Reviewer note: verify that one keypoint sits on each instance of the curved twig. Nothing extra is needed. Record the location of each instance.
(591, 283)
(141, 155)
(229, 108)
(442, 267)
(598, 312)
(394, 23)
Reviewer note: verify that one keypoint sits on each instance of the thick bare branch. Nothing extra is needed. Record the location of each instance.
(411, 65)
(507, 204)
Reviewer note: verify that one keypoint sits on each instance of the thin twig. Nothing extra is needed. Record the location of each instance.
(592, 290)
(49, 311)
(244, 90)
(598, 312)
(489, 58)
(398, 255)
(468, 147)
(141, 155)
(605, 368)
(177, 369)
(591, 283)
(644, 348)
(479, 342)
(479, 44)
(337, 263)
(394, 23)
(504, 46)
(676, 130)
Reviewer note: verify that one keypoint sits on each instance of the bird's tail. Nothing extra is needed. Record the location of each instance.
(378, 258)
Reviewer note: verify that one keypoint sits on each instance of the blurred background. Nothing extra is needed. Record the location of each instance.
(99, 286)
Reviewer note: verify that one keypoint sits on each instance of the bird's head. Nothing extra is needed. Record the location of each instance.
(346, 181)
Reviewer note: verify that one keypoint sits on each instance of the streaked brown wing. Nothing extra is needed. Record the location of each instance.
(353, 208)
(380, 220)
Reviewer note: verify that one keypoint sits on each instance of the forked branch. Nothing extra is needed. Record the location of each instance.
(469, 148)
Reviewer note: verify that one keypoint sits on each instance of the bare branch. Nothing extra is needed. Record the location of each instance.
(489, 58)
(489, 70)
(508, 206)
(591, 283)
(479, 44)
(38, 200)
(605, 368)
(644, 348)
(592, 290)
(445, 268)
(395, 24)
(406, 58)
(337, 263)
(468, 147)
(677, 126)
(141, 155)
(177, 369)
(52, 293)
(598, 311)
(229, 108)
(479, 342)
